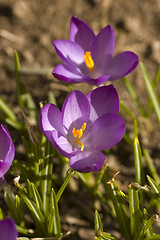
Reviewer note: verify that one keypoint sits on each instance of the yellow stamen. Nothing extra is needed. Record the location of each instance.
(78, 134)
(80, 143)
(89, 61)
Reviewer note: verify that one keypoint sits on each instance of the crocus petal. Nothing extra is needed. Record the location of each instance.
(67, 74)
(105, 132)
(96, 81)
(75, 111)
(62, 145)
(4, 166)
(8, 230)
(87, 161)
(81, 33)
(70, 52)
(102, 49)
(50, 120)
(122, 64)
(7, 150)
(71, 75)
(103, 100)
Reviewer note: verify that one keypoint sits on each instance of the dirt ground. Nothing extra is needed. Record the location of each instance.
(30, 26)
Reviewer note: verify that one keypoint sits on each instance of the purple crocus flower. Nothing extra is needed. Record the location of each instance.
(86, 125)
(89, 58)
(7, 151)
(8, 229)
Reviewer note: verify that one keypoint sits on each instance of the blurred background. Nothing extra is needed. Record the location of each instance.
(30, 27)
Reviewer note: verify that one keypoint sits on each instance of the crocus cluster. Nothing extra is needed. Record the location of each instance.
(89, 58)
(8, 229)
(7, 151)
(85, 126)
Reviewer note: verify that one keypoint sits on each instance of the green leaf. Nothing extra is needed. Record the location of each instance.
(128, 140)
(18, 82)
(1, 214)
(127, 110)
(98, 178)
(55, 228)
(133, 94)
(29, 189)
(84, 178)
(24, 231)
(11, 204)
(139, 174)
(97, 222)
(64, 185)
(98, 238)
(135, 211)
(107, 236)
(120, 209)
(51, 219)
(37, 215)
(157, 77)
(19, 207)
(151, 91)
(149, 231)
(155, 82)
(51, 98)
(151, 166)
(153, 237)
(36, 197)
(24, 98)
(135, 128)
(155, 187)
(46, 179)
(12, 123)
(7, 110)
(145, 227)
(9, 117)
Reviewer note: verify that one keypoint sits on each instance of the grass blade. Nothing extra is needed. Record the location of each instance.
(65, 183)
(6, 109)
(35, 212)
(36, 197)
(133, 94)
(120, 209)
(135, 211)
(151, 166)
(99, 229)
(46, 174)
(154, 237)
(149, 231)
(97, 222)
(107, 236)
(151, 91)
(127, 110)
(24, 98)
(139, 172)
(155, 81)
(55, 214)
(145, 227)
(155, 187)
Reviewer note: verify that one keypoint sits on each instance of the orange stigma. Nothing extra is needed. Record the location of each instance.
(78, 134)
(89, 61)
